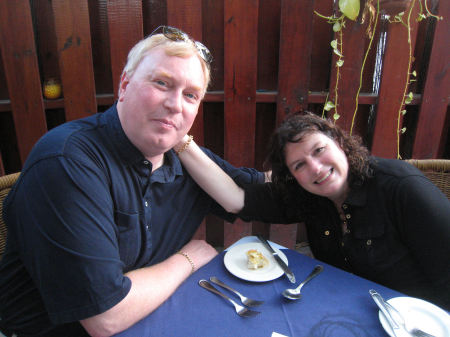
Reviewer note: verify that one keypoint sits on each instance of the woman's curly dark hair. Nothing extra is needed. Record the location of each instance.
(293, 129)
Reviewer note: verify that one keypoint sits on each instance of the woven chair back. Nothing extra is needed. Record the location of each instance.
(6, 182)
(437, 170)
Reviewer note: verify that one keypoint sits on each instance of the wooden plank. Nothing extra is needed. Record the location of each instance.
(101, 50)
(45, 39)
(125, 30)
(213, 35)
(218, 96)
(393, 77)
(241, 49)
(2, 168)
(295, 56)
(320, 53)
(75, 57)
(268, 44)
(154, 14)
(22, 73)
(431, 129)
(285, 235)
(187, 16)
(200, 234)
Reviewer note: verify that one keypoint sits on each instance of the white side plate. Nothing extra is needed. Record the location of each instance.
(235, 261)
(419, 314)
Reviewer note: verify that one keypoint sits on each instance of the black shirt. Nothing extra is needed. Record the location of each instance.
(398, 229)
(86, 209)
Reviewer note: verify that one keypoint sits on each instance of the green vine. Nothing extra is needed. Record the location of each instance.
(350, 10)
(371, 32)
(337, 45)
(408, 97)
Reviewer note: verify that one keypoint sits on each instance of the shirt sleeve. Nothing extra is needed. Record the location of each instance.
(64, 216)
(424, 218)
(264, 203)
(241, 175)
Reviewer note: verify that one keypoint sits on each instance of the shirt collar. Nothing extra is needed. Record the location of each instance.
(125, 149)
(131, 155)
(169, 170)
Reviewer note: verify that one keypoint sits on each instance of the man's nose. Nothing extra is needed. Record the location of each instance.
(174, 101)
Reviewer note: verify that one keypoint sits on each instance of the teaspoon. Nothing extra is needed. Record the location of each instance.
(294, 294)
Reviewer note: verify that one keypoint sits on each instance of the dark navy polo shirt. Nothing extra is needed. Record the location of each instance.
(87, 209)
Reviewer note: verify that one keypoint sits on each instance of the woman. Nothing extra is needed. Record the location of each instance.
(378, 218)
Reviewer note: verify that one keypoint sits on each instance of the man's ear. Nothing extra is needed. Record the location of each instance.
(123, 85)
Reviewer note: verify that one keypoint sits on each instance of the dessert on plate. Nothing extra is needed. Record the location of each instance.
(256, 260)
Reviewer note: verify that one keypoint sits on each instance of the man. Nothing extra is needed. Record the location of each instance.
(103, 205)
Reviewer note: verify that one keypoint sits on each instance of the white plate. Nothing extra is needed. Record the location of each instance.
(235, 261)
(419, 314)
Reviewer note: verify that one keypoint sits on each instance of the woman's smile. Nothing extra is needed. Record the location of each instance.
(325, 177)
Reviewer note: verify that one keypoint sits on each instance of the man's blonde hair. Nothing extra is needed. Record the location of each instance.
(179, 48)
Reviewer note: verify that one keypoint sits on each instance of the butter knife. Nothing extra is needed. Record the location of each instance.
(398, 330)
(290, 275)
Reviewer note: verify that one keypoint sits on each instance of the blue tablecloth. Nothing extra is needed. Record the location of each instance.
(335, 303)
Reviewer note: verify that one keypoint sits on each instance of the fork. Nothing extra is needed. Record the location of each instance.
(394, 317)
(240, 310)
(415, 332)
(245, 300)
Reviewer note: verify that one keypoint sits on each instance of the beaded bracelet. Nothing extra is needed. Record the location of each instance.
(189, 259)
(185, 145)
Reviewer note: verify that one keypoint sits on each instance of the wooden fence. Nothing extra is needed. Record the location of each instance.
(271, 57)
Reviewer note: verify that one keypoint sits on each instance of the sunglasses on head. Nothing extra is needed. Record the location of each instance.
(175, 34)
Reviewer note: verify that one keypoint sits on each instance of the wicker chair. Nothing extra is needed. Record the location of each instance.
(6, 182)
(437, 170)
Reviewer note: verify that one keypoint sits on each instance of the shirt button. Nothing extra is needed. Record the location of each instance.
(348, 216)
(369, 242)
(342, 244)
(344, 206)
(347, 231)
(327, 233)
(146, 227)
(146, 162)
(146, 204)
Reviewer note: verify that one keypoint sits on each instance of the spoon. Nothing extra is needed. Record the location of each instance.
(294, 294)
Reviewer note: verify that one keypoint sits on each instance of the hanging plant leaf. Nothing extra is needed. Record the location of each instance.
(328, 106)
(403, 130)
(336, 116)
(337, 52)
(350, 8)
(339, 63)
(337, 27)
(409, 98)
(333, 44)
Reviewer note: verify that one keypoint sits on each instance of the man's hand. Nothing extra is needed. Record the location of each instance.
(151, 286)
(200, 252)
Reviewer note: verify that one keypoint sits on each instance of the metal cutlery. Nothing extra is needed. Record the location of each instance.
(240, 310)
(289, 274)
(395, 319)
(401, 321)
(245, 300)
(294, 294)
